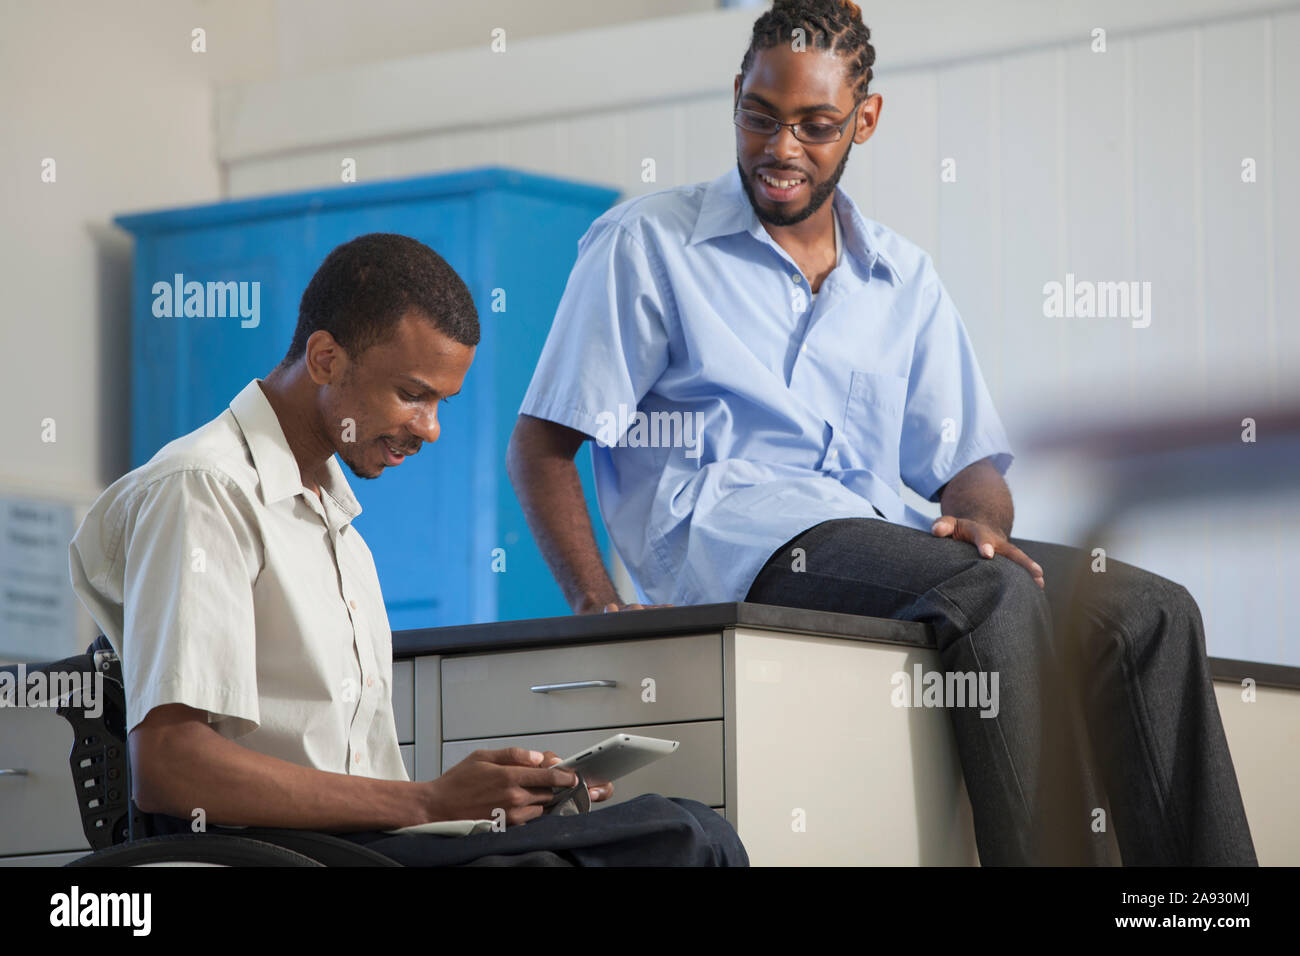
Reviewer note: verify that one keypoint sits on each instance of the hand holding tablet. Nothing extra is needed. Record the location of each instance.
(617, 756)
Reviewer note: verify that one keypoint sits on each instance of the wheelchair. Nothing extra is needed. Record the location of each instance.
(120, 834)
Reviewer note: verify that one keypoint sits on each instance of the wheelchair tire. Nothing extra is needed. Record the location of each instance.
(182, 849)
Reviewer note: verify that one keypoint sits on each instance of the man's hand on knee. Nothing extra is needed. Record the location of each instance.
(988, 541)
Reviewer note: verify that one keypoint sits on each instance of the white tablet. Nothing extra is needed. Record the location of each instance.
(617, 756)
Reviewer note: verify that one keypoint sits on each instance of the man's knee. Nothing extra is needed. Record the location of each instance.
(1173, 598)
(1133, 608)
(997, 586)
(1168, 612)
(721, 836)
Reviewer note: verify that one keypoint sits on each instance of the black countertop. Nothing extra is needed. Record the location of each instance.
(653, 622)
(702, 618)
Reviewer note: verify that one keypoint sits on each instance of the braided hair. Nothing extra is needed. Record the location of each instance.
(834, 25)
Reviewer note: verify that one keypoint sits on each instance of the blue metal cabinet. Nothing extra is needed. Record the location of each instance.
(434, 524)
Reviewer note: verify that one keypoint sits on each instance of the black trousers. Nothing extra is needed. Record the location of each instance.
(648, 830)
(1115, 658)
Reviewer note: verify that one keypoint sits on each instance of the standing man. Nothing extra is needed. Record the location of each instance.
(245, 607)
(795, 361)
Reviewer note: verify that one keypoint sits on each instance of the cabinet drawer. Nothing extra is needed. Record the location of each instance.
(38, 811)
(524, 692)
(693, 771)
(404, 700)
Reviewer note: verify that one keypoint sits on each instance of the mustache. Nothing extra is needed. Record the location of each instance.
(782, 169)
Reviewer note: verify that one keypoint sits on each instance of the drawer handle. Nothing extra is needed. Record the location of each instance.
(12, 772)
(572, 685)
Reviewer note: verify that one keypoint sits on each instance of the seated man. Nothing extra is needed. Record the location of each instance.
(759, 366)
(248, 616)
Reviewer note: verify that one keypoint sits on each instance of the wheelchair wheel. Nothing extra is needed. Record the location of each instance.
(186, 849)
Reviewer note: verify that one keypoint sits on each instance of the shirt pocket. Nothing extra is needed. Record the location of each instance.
(873, 423)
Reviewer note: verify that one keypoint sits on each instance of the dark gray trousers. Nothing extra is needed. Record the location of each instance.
(1103, 682)
(648, 830)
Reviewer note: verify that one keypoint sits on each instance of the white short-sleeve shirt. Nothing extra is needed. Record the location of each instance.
(224, 584)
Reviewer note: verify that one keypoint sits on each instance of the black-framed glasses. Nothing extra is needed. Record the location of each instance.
(815, 133)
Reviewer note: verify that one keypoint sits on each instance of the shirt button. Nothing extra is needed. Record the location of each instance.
(804, 347)
(796, 278)
(370, 682)
(356, 758)
(353, 604)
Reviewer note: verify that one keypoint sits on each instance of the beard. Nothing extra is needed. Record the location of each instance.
(355, 467)
(820, 193)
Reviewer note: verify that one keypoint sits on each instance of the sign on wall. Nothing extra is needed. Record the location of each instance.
(37, 603)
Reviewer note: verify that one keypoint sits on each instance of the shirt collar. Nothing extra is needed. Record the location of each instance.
(277, 469)
(726, 210)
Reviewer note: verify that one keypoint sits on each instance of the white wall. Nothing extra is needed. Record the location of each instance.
(1115, 165)
(115, 96)
(316, 35)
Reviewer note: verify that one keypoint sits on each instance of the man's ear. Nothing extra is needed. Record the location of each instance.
(735, 94)
(869, 109)
(324, 357)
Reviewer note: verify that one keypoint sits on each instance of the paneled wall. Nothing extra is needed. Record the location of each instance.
(1117, 165)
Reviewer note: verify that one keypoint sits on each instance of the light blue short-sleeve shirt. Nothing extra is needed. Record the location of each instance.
(729, 411)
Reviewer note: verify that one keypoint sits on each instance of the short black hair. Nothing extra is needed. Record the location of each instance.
(834, 25)
(365, 286)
